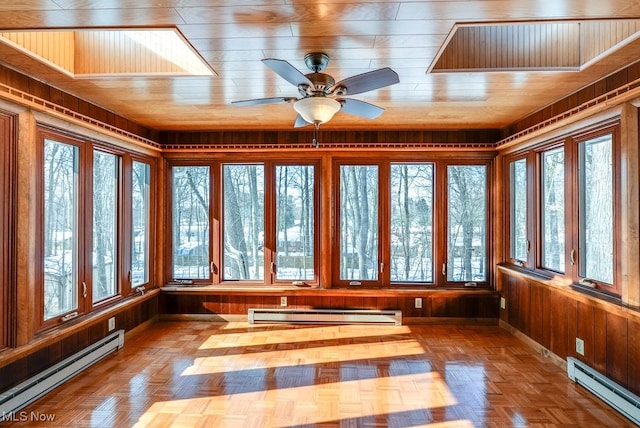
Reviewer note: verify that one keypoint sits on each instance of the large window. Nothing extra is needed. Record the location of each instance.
(359, 222)
(244, 222)
(573, 224)
(596, 208)
(396, 227)
(105, 223)
(552, 209)
(295, 222)
(191, 186)
(467, 219)
(94, 250)
(518, 181)
(226, 230)
(378, 222)
(61, 235)
(411, 222)
(141, 223)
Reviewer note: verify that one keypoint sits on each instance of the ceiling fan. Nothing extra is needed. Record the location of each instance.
(321, 97)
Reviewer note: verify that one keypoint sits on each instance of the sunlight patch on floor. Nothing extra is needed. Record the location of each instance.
(313, 403)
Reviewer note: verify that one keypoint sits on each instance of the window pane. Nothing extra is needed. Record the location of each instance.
(60, 228)
(518, 186)
(105, 201)
(359, 222)
(191, 222)
(553, 210)
(596, 209)
(411, 222)
(243, 222)
(294, 222)
(467, 205)
(140, 223)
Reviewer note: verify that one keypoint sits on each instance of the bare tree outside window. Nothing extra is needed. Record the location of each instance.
(411, 222)
(243, 222)
(191, 186)
(60, 228)
(105, 201)
(518, 188)
(141, 211)
(295, 222)
(467, 205)
(553, 237)
(359, 222)
(596, 208)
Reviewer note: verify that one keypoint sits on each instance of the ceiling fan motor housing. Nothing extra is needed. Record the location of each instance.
(321, 84)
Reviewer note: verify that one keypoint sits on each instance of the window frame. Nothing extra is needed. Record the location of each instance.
(83, 206)
(266, 277)
(577, 233)
(213, 265)
(434, 231)
(383, 215)
(271, 219)
(216, 218)
(439, 214)
(86, 147)
(127, 222)
(570, 142)
(508, 184)
(538, 191)
(118, 232)
(442, 274)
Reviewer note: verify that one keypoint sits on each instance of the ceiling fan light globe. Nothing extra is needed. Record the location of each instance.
(317, 109)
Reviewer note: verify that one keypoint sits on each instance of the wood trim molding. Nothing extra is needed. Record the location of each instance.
(41, 105)
(622, 94)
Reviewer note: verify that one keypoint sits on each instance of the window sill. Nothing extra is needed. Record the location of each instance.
(315, 290)
(567, 287)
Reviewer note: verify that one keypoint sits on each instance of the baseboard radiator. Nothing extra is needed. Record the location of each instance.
(609, 391)
(30, 390)
(325, 316)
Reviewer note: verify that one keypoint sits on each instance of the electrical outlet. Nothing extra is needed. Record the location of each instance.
(418, 302)
(503, 303)
(112, 323)
(283, 301)
(579, 346)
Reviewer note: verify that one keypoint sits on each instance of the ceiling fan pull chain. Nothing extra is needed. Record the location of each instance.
(316, 132)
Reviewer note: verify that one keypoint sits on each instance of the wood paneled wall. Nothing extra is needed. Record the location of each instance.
(49, 349)
(554, 317)
(465, 304)
(481, 139)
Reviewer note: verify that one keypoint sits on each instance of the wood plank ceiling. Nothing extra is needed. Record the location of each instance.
(489, 85)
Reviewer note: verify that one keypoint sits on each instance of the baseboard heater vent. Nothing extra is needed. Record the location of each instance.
(609, 391)
(325, 316)
(30, 390)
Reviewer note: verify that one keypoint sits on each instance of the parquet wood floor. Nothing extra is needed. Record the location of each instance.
(201, 374)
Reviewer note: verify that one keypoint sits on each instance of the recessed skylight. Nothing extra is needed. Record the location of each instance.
(83, 53)
(548, 45)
